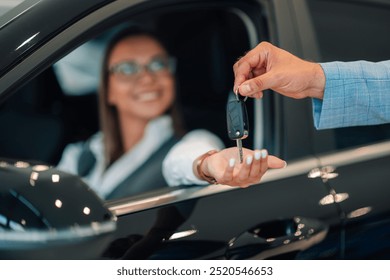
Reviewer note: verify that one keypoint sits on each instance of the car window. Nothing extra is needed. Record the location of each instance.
(6, 5)
(348, 31)
(59, 106)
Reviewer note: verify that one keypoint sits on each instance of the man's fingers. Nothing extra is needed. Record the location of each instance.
(248, 67)
(242, 72)
(257, 85)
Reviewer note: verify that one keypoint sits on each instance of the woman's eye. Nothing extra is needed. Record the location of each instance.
(128, 69)
(157, 65)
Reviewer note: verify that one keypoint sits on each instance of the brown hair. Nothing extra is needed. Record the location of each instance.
(109, 122)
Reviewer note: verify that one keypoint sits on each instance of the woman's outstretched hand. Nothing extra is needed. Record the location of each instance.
(225, 168)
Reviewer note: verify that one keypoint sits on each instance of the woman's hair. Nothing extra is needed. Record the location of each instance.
(109, 121)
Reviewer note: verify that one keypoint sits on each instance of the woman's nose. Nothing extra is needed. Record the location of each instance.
(145, 75)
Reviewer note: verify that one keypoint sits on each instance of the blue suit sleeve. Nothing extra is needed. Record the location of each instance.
(356, 93)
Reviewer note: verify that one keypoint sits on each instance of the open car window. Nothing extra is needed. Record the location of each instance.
(59, 106)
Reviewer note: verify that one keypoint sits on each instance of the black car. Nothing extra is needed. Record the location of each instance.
(331, 202)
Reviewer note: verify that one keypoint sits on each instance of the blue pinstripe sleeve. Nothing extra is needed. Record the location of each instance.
(356, 93)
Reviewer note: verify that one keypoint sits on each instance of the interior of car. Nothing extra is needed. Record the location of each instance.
(57, 108)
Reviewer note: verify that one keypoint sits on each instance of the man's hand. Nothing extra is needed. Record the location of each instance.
(269, 67)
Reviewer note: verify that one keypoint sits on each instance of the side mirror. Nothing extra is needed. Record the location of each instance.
(49, 214)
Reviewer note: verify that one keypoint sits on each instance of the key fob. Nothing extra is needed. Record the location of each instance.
(237, 118)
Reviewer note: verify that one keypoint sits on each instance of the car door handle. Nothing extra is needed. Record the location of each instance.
(277, 238)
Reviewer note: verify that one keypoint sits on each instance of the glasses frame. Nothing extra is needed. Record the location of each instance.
(170, 67)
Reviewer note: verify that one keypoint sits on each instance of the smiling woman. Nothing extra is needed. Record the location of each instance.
(129, 97)
(140, 120)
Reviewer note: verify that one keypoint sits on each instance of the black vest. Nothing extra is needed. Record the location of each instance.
(145, 178)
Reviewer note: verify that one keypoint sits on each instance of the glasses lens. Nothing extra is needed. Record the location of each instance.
(126, 68)
(158, 64)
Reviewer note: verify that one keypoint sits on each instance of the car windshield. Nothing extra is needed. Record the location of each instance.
(6, 5)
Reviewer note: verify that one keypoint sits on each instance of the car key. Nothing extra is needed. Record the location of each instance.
(237, 121)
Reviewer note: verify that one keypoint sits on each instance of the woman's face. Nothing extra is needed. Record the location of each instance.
(140, 85)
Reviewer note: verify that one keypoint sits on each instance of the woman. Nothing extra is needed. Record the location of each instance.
(141, 144)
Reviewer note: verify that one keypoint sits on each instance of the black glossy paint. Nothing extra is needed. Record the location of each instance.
(222, 223)
(43, 211)
(29, 26)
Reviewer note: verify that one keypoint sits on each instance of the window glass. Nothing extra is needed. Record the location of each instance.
(6, 5)
(59, 106)
(348, 31)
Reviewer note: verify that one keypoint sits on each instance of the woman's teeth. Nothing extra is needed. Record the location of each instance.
(147, 96)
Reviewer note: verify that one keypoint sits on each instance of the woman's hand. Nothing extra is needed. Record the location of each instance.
(225, 167)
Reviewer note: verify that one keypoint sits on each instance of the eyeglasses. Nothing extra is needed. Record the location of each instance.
(130, 69)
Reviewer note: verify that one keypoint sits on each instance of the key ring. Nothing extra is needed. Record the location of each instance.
(238, 97)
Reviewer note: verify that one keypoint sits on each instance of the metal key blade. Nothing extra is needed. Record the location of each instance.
(239, 146)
